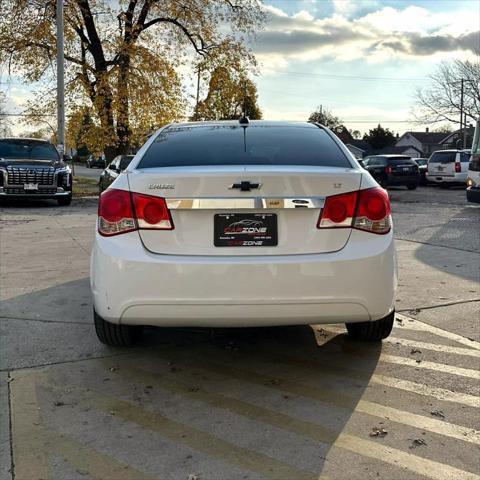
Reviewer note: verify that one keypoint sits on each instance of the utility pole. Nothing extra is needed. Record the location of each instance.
(461, 112)
(465, 130)
(60, 81)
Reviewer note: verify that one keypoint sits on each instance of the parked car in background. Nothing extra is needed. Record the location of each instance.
(32, 168)
(473, 178)
(393, 170)
(242, 224)
(422, 169)
(96, 161)
(448, 167)
(113, 170)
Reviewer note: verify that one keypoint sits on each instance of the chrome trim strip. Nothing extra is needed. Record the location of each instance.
(251, 203)
(33, 195)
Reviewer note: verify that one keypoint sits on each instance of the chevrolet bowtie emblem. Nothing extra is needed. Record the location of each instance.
(245, 186)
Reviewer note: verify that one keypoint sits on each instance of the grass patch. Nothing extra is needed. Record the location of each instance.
(85, 187)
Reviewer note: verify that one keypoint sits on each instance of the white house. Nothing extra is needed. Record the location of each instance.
(426, 142)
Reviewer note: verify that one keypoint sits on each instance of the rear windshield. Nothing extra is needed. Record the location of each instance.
(125, 161)
(420, 161)
(394, 162)
(235, 145)
(27, 149)
(443, 157)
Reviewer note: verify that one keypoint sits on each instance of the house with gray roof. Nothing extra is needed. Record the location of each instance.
(425, 142)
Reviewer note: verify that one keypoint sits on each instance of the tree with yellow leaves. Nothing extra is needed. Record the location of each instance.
(123, 57)
(230, 94)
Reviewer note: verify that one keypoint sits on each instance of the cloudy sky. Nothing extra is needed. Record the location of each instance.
(362, 59)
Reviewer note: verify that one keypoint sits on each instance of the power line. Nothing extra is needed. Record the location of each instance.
(354, 77)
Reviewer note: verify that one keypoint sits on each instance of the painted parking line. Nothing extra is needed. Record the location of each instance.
(339, 398)
(434, 366)
(440, 427)
(30, 455)
(410, 362)
(412, 324)
(366, 448)
(384, 412)
(93, 463)
(182, 433)
(392, 382)
(469, 352)
(34, 446)
(421, 389)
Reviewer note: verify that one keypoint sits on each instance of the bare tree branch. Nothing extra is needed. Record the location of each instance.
(441, 101)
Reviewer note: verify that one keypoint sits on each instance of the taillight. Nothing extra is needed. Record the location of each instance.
(151, 212)
(373, 211)
(120, 211)
(338, 211)
(367, 210)
(115, 213)
(458, 167)
(388, 170)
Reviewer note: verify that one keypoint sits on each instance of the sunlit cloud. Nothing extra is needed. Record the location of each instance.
(386, 33)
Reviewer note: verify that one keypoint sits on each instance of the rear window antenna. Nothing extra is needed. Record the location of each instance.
(244, 119)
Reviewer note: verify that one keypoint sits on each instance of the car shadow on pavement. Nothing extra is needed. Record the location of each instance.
(225, 402)
(285, 393)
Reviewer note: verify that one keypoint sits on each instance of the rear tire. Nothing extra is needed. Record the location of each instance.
(412, 186)
(113, 334)
(372, 331)
(64, 201)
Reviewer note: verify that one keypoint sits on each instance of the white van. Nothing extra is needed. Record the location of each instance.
(473, 180)
(448, 167)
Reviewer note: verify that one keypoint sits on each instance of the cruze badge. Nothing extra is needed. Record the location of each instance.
(161, 186)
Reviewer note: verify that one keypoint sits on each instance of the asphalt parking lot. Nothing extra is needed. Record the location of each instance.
(277, 403)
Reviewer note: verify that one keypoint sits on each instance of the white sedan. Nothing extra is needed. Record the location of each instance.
(243, 223)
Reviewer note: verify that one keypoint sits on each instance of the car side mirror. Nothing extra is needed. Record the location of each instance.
(67, 157)
(113, 167)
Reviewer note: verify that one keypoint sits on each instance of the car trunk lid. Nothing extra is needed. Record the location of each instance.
(442, 164)
(204, 199)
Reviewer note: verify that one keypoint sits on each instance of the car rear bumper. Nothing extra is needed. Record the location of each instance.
(40, 195)
(133, 286)
(403, 180)
(473, 194)
(458, 178)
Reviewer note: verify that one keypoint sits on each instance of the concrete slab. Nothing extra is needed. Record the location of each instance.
(64, 302)
(27, 343)
(431, 275)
